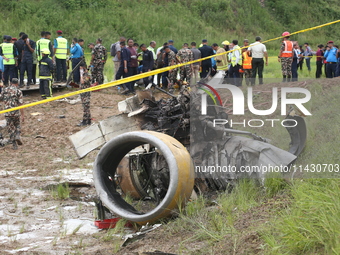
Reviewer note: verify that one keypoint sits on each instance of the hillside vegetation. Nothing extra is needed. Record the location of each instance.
(295, 216)
(181, 20)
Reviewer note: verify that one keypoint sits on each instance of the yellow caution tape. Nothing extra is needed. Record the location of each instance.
(144, 75)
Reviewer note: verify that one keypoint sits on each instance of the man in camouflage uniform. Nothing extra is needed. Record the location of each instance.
(185, 55)
(286, 67)
(85, 82)
(286, 57)
(172, 59)
(98, 60)
(12, 97)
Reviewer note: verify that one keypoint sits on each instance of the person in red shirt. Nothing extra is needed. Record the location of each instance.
(319, 61)
(132, 67)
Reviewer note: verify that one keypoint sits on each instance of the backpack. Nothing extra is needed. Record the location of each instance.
(113, 49)
(159, 60)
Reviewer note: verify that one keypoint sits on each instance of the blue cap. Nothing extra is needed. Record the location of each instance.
(204, 40)
(171, 41)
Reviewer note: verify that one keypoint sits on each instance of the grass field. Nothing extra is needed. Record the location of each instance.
(285, 216)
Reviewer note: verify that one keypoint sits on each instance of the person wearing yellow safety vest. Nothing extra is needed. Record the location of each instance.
(151, 48)
(9, 53)
(61, 51)
(44, 43)
(46, 68)
(222, 60)
(286, 57)
(1, 70)
(246, 66)
(236, 63)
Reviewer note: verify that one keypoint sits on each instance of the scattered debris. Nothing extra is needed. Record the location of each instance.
(3, 141)
(59, 160)
(138, 235)
(2, 124)
(36, 113)
(109, 223)
(79, 226)
(70, 101)
(40, 136)
(98, 134)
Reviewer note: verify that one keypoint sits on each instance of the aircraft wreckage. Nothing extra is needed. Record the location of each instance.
(154, 155)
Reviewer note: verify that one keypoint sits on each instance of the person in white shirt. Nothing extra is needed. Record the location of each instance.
(257, 51)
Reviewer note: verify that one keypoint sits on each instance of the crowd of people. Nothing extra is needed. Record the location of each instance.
(128, 62)
(243, 61)
(21, 56)
(292, 56)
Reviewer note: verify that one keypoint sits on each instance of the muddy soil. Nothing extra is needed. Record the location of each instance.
(33, 218)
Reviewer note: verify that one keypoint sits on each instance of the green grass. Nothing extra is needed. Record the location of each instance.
(216, 223)
(61, 191)
(311, 224)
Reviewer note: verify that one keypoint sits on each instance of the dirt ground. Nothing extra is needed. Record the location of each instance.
(32, 219)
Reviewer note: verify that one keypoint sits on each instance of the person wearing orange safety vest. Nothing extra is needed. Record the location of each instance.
(286, 57)
(246, 66)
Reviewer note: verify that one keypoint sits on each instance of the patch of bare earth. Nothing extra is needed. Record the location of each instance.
(31, 218)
